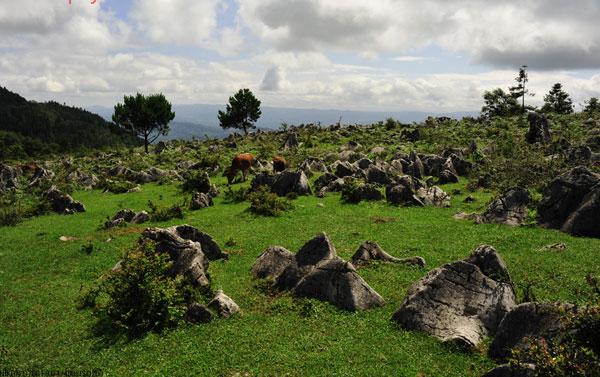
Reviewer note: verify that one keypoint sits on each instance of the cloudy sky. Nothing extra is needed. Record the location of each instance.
(391, 55)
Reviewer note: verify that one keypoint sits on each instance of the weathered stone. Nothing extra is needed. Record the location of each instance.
(40, 176)
(189, 260)
(209, 247)
(402, 195)
(197, 313)
(364, 191)
(63, 203)
(200, 200)
(433, 196)
(539, 129)
(364, 163)
(457, 302)
(568, 194)
(141, 218)
(324, 180)
(344, 169)
(337, 282)
(377, 175)
(8, 177)
(370, 250)
(223, 305)
(283, 183)
(272, 262)
(86, 181)
(509, 208)
(528, 320)
(291, 141)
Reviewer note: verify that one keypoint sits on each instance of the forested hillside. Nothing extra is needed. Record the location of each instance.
(30, 129)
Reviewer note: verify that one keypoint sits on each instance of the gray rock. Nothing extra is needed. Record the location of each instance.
(456, 302)
(433, 196)
(364, 163)
(337, 282)
(63, 203)
(86, 181)
(40, 176)
(528, 320)
(370, 250)
(223, 305)
(324, 180)
(509, 208)
(585, 220)
(401, 194)
(141, 218)
(539, 129)
(209, 247)
(189, 260)
(272, 262)
(291, 141)
(344, 169)
(377, 175)
(284, 183)
(8, 177)
(200, 200)
(197, 313)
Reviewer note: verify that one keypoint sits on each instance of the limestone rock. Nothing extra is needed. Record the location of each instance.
(509, 208)
(63, 203)
(370, 250)
(200, 200)
(197, 313)
(457, 302)
(539, 129)
(272, 262)
(223, 305)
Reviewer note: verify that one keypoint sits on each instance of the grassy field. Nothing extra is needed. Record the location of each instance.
(41, 278)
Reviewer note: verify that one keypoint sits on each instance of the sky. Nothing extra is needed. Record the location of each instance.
(384, 55)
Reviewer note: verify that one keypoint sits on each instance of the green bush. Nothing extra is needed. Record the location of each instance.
(237, 196)
(573, 353)
(16, 206)
(115, 186)
(138, 297)
(162, 213)
(265, 203)
(196, 180)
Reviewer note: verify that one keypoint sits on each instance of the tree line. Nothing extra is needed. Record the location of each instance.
(502, 103)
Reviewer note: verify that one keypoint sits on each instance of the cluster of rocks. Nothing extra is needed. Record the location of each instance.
(63, 203)
(571, 203)
(191, 250)
(125, 216)
(283, 183)
(153, 174)
(316, 271)
(83, 180)
(369, 251)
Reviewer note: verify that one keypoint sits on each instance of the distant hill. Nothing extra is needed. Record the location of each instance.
(30, 128)
(198, 120)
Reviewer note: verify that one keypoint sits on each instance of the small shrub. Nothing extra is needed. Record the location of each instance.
(138, 297)
(196, 180)
(265, 203)
(165, 213)
(238, 196)
(116, 187)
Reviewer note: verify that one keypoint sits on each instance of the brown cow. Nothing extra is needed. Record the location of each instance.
(241, 162)
(279, 164)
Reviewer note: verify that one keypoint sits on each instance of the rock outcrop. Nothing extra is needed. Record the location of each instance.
(316, 271)
(200, 200)
(63, 203)
(223, 305)
(571, 203)
(284, 183)
(539, 129)
(461, 301)
(510, 208)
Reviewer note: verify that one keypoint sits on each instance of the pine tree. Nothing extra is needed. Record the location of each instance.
(558, 101)
(242, 111)
(520, 90)
(592, 106)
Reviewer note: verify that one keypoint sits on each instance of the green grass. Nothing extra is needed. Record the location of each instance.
(41, 277)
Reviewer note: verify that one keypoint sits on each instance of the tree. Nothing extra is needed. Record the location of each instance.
(592, 106)
(499, 103)
(558, 101)
(241, 112)
(145, 117)
(520, 90)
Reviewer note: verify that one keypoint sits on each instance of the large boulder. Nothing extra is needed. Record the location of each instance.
(324, 180)
(63, 203)
(509, 208)
(127, 216)
(370, 250)
(344, 169)
(187, 256)
(529, 320)
(377, 175)
(291, 141)
(336, 281)
(316, 271)
(459, 302)
(570, 203)
(41, 175)
(209, 247)
(539, 129)
(433, 196)
(401, 194)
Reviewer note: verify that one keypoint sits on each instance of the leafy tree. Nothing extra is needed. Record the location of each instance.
(499, 103)
(241, 112)
(146, 117)
(558, 101)
(592, 106)
(520, 90)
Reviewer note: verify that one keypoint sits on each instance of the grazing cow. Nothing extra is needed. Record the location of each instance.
(279, 164)
(241, 162)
